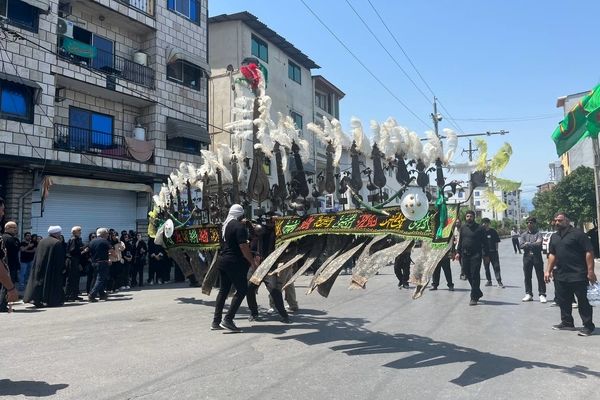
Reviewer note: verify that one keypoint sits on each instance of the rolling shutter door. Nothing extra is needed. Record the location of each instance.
(87, 207)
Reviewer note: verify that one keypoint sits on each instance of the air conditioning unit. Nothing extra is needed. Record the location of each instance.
(65, 27)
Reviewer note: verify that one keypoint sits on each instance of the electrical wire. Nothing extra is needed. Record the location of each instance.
(450, 118)
(362, 64)
(2, 49)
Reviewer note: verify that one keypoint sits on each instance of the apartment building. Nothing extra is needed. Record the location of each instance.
(100, 100)
(234, 38)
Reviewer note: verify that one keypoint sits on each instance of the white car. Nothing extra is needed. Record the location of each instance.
(546, 242)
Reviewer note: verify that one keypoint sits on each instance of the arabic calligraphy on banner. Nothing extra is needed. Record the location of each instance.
(205, 237)
(365, 222)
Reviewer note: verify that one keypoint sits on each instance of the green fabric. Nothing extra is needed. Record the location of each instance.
(581, 122)
(442, 208)
(78, 48)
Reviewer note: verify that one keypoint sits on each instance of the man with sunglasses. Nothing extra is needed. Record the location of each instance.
(571, 264)
(531, 244)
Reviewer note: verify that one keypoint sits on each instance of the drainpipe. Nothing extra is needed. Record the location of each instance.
(21, 211)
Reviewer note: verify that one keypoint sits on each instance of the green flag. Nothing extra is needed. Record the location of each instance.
(581, 122)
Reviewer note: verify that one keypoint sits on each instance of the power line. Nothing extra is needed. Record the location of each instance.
(137, 92)
(513, 119)
(363, 65)
(41, 108)
(450, 118)
(387, 51)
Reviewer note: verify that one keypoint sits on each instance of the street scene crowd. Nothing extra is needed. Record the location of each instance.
(48, 271)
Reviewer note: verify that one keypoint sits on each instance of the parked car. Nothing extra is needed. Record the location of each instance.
(546, 241)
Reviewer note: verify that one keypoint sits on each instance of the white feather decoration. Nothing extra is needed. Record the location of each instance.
(432, 149)
(362, 141)
(451, 145)
(463, 168)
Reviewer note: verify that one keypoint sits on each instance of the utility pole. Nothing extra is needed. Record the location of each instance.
(436, 117)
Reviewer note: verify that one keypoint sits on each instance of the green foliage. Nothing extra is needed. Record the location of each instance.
(573, 195)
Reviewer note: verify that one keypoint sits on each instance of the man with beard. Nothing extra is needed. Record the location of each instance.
(8, 291)
(75, 248)
(10, 245)
(571, 264)
(234, 261)
(468, 252)
(45, 286)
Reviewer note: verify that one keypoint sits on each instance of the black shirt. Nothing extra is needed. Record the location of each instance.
(569, 248)
(235, 235)
(12, 246)
(74, 247)
(471, 238)
(27, 256)
(99, 249)
(490, 238)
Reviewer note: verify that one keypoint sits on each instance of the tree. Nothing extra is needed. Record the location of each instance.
(573, 195)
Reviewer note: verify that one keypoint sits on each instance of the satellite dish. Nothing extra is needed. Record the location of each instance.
(414, 203)
(169, 228)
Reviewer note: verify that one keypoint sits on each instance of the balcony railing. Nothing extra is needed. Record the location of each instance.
(106, 62)
(145, 6)
(80, 140)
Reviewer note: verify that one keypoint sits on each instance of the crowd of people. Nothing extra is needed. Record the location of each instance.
(48, 271)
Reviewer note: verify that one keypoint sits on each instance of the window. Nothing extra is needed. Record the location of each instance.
(260, 49)
(90, 129)
(188, 8)
(322, 101)
(104, 59)
(297, 120)
(20, 14)
(477, 203)
(461, 194)
(185, 145)
(185, 73)
(16, 102)
(477, 193)
(294, 72)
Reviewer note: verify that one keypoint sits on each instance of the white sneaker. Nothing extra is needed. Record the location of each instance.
(270, 311)
(528, 297)
(543, 298)
(123, 288)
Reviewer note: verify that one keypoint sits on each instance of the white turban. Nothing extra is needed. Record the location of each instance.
(235, 212)
(54, 229)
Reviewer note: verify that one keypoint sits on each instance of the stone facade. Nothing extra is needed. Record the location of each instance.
(147, 98)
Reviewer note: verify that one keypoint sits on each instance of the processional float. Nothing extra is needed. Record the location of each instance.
(370, 232)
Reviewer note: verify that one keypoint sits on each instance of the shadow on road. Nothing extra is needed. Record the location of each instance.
(29, 388)
(429, 352)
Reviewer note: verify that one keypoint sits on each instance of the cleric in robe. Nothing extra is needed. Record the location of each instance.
(45, 285)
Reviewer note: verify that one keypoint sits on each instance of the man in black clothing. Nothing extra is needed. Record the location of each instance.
(402, 267)
(468, 251)
(491, 240)
(8, 291)
(27, 251)
(99, 248)
(234, 260)
(571, 264)
(531, 244)
(11, 245)
(75, 248)
(443, 265)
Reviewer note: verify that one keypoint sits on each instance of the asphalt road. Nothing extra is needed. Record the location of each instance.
(376, 343)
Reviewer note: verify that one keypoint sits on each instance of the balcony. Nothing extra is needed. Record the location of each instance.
(105, 62)
(145, 6)
(80, 140)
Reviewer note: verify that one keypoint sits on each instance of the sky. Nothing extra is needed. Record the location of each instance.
(494, 65)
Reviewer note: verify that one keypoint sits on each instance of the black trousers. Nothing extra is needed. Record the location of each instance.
(515, 242)
(531, 262)
(402, 271)
(275, 294)
(90, 278)
(564, 298)
(443, 265)
(492, 258)
(471, 265)
(73, 275)
(137, 273)
(230, 274)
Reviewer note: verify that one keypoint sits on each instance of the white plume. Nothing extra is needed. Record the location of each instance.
(414, 149)
(432, 149)
(281, 135)
(211, 165)
(376, 131)
(451, 144)
(362, 141)
(463, 168)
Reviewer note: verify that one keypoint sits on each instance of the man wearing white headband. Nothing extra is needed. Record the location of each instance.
(234, 260)
(45, 285)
